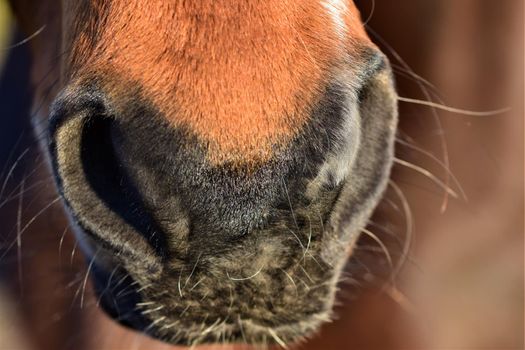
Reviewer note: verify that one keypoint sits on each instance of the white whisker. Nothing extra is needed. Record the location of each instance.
(244, 278)
(454, 110)
(84, 283)
(277, 339)
(19, 236)
(192, 271)
(382, 245)
(428, 174)
(409, 234)
(24, 41)
(434, 158)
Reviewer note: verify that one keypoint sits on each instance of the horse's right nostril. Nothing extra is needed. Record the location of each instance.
(96, 187)
(109, 180)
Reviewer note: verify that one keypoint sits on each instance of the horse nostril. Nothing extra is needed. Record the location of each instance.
(96, 187)
(110, 181)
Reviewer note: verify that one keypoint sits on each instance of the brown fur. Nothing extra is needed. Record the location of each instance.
(243, 76)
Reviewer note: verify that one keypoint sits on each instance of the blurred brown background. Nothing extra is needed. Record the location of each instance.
(462, 287)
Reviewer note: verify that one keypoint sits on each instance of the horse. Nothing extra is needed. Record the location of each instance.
(229, 214)
(218, 160)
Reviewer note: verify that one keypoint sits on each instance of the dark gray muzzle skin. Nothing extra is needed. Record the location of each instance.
(191, 253)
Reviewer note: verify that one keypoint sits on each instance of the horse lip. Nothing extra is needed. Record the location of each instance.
(119, 295)
(246, 331)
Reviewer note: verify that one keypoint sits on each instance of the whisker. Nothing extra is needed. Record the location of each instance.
(192, 271)
(185, 309)
(386, 230)
(73, 251)
(382, 245)
(409, 232)
(152, 324)
(277, 339)
(424, 90)
(144, 287)
(127, 290)
(241, 328)
(291, 280)
(146, 303)
(309, 238)
(24, 41)
(21, 232)
(402, 300)
(428, 174)
(416, 78)
(452, 109)
(60, 244)
(306, 274)
(391, 203)
(290, 203)
(35, 184)
(75, 280)
(84, 282)
(196, 284)
(149, 311)
(244, 278)
(99, 300)
(12, 153)
(212, 326)
(371, 14)
(178, 283)
(19, 237)
(298, 240)
(434, 158)
(11, 170)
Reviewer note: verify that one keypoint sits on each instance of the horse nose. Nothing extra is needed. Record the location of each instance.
(151, 205)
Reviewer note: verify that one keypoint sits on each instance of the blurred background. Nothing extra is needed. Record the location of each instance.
(462, 286)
